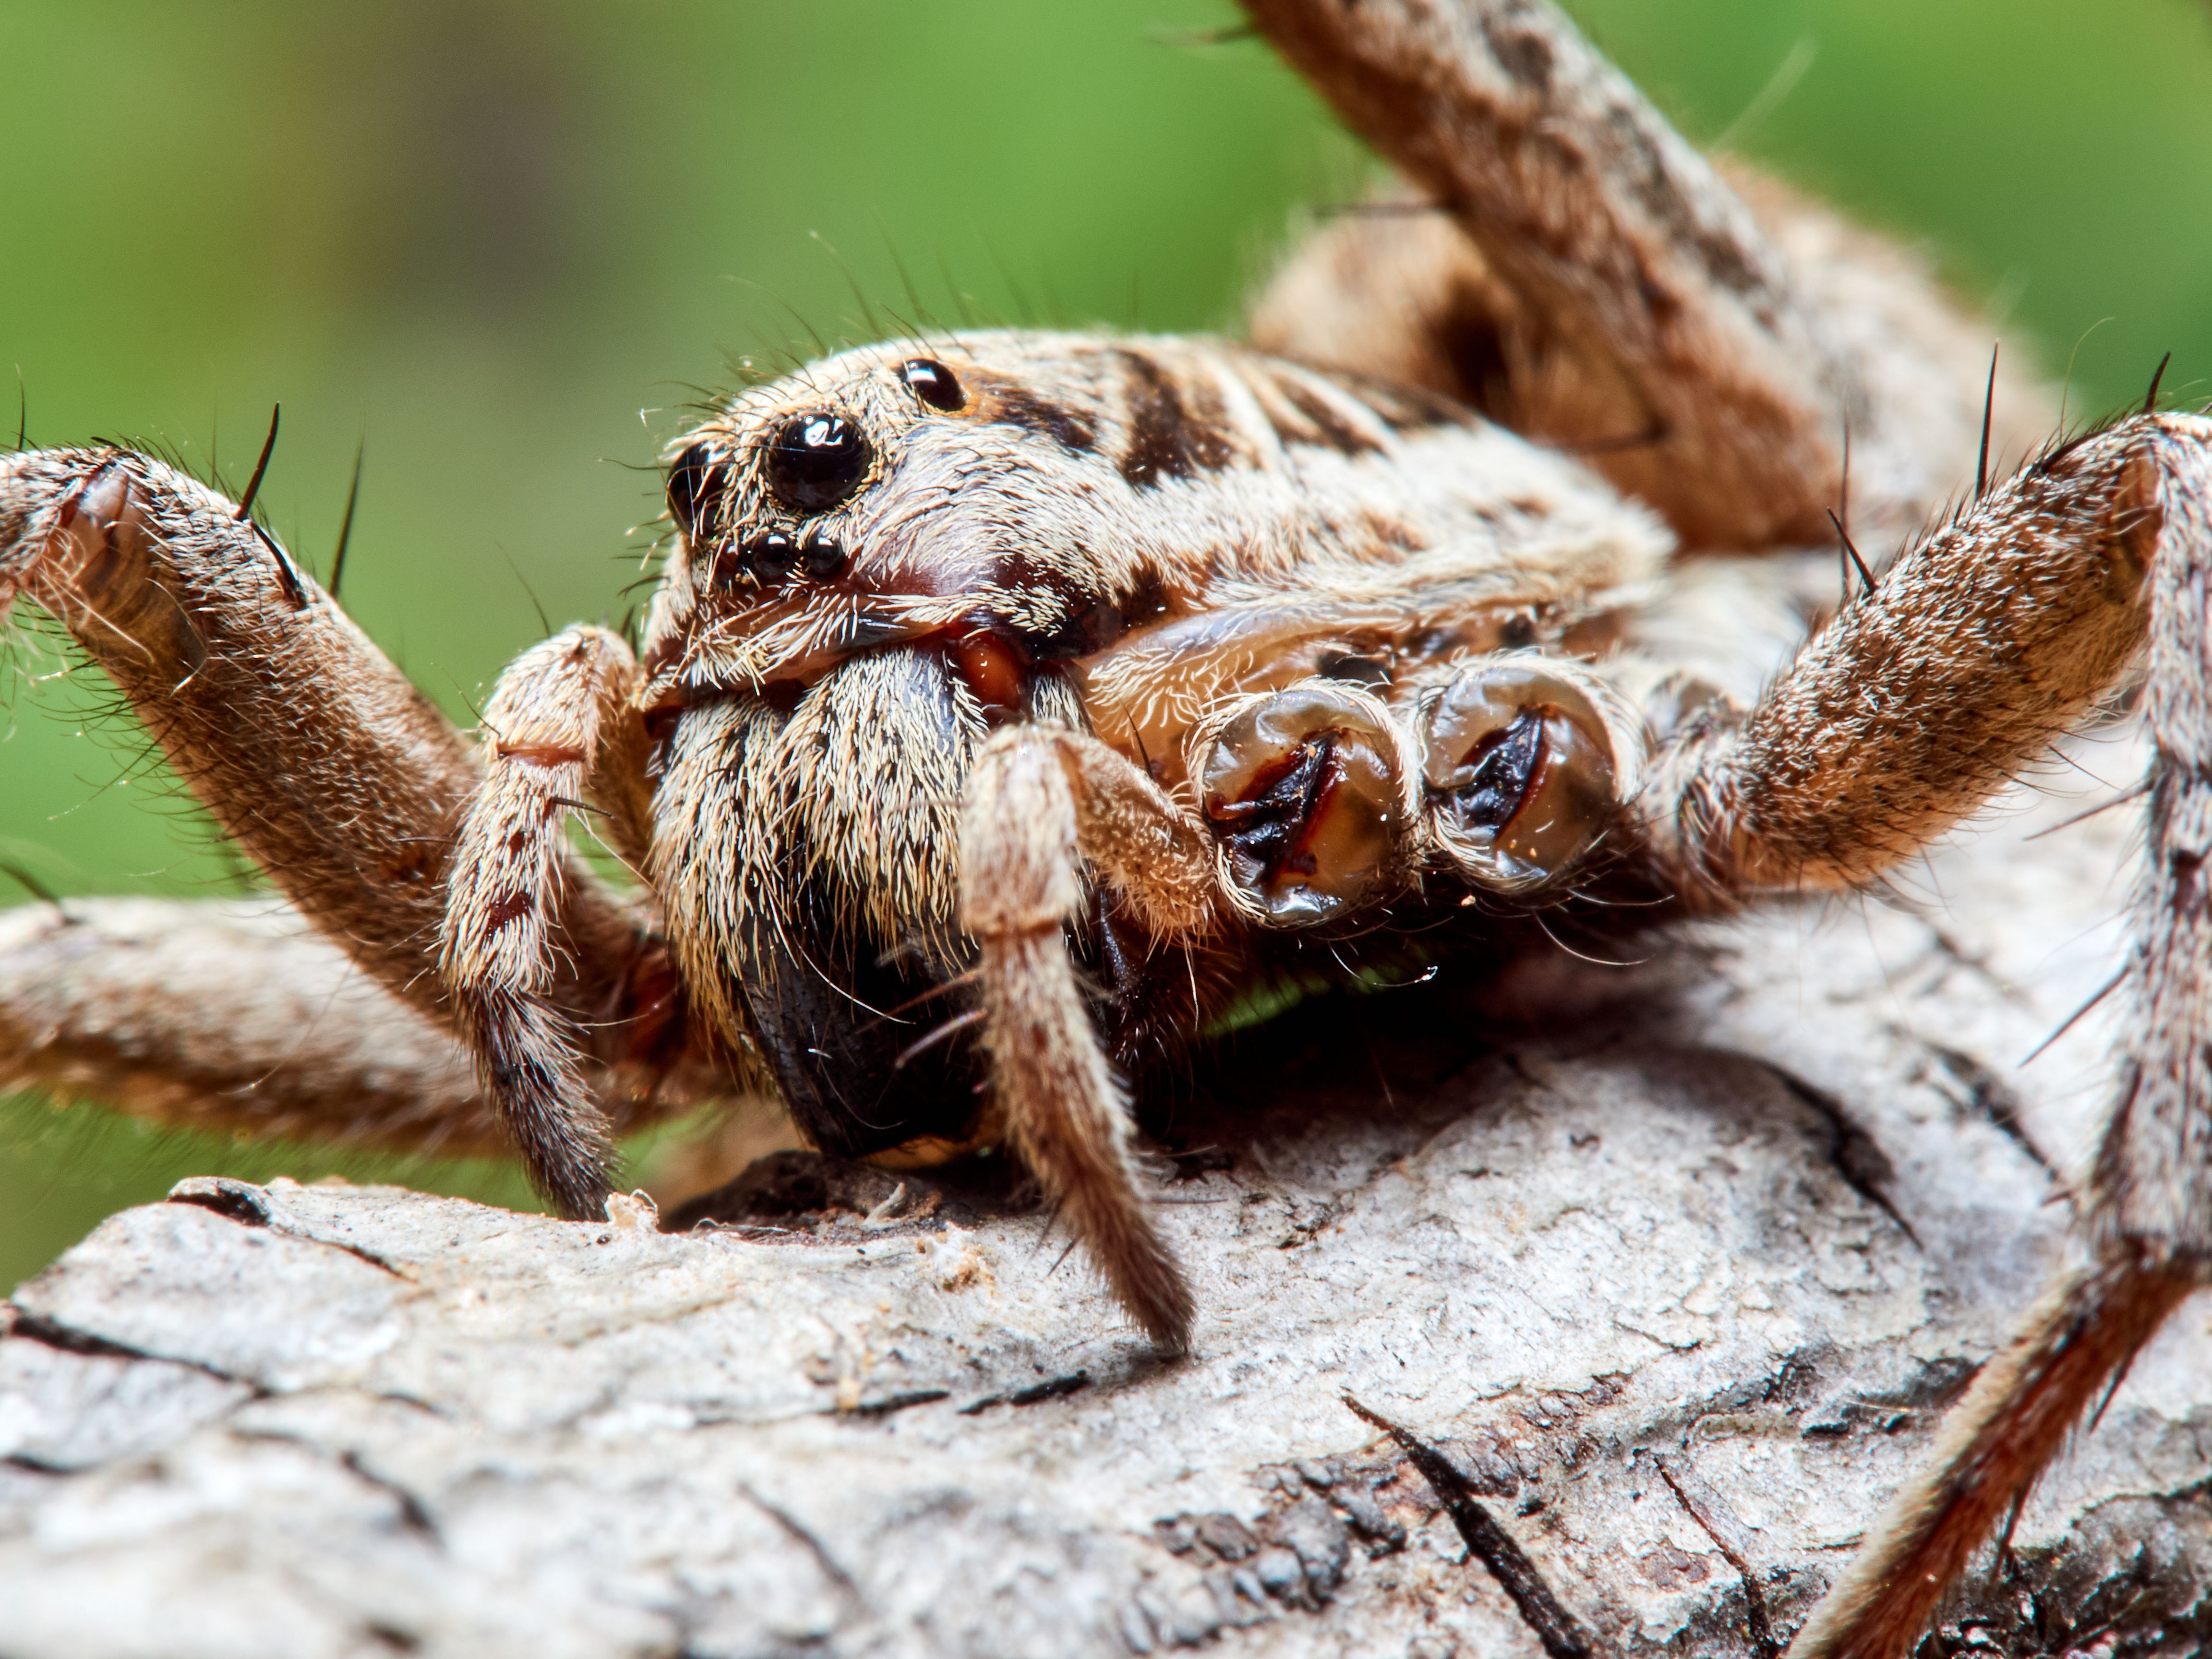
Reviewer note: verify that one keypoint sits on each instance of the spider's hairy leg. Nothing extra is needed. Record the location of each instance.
(1996, 1441)
(1982, 644)
(228, 1015)
(1918, 701)
(1042, 803)
(306, 746)
(563, 730)
(309, 749)
(1568, 263)
(1619, 245)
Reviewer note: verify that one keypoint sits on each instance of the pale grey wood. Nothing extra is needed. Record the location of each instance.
(1643, 1271)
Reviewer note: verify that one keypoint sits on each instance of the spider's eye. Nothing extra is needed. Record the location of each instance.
(815, 460)
(1302, 790)
(1519, 773)
(933, 383)
(771, 553)
(822, 556)
(694, 488)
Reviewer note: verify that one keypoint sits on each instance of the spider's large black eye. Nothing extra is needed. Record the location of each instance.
(695, 486)
(815, 460)
(933, 383)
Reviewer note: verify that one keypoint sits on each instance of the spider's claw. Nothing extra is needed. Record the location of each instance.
(81, 531)
(31, 522)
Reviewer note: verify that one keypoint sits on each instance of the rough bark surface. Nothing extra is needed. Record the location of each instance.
(1666, 1286)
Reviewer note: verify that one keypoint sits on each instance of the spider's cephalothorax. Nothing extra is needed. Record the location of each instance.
(1194, 553)
(1012, 702)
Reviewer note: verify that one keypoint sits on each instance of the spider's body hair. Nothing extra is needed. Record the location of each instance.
(1095, 486)
(1010, 702)
(1153, 529)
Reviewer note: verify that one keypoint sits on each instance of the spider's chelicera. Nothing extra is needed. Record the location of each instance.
(1014, 704)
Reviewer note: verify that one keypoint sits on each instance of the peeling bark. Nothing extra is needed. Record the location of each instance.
(1666, 1273)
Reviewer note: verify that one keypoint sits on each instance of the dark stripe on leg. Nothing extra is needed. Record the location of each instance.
(1404, 408)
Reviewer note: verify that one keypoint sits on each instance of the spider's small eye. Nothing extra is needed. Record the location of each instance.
(933, 383)
(1519, 775)
(694, 488)
(815, 460)
(772, 553)
(822, 556)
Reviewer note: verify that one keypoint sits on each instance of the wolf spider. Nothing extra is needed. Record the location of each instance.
(1012, 704)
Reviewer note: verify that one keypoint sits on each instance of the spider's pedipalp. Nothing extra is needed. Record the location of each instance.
(1309, 791)
(1042, 802)
(1526, 765)
(563, 726)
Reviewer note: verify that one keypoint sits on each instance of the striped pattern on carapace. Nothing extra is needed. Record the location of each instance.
(1091, 488)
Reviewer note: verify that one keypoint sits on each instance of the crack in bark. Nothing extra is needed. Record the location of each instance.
(1053, 1388)
(800, 1535)
(412, 1514)
(1854, 1153)
(1988, 1094)
(67, 1338)
(248, 1205)
(895, 1402)
(53, 1333)
(1531, 1598)
(1755, 1619)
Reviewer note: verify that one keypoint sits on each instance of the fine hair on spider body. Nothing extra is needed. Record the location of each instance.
(1014, 705)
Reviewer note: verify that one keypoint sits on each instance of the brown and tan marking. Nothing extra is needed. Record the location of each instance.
(1008, 702)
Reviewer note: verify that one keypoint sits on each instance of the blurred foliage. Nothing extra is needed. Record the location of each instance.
(505, 242)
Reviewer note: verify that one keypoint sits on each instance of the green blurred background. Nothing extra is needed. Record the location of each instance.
(507, 239)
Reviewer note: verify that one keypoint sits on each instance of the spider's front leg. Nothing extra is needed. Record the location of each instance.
(1569, 265)
(565, 735)
(1637, 300)
(1982, 644)
(310, 750)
